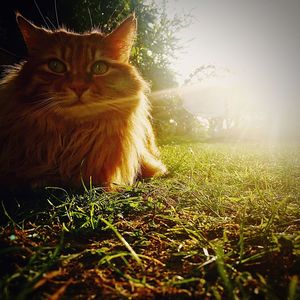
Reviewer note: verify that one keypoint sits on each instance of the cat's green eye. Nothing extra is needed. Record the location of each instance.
(57, 66)
(99, 67)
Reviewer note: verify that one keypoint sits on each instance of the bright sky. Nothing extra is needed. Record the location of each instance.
(257, 36)
(259, 40)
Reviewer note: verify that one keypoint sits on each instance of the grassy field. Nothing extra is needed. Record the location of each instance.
(224, 224)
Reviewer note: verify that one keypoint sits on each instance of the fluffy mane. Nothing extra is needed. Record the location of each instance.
(76, 110)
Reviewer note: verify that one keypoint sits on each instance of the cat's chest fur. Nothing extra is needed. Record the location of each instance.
(71, 152)
(86, 150)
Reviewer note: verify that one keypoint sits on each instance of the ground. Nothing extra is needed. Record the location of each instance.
(223, 224)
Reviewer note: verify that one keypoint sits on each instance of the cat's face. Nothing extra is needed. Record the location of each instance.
(80, 75)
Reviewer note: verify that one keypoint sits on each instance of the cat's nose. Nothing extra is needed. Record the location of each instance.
(79, 87)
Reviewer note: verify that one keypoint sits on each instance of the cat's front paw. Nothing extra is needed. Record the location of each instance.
(153, 168)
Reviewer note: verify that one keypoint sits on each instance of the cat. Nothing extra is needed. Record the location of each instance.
(76, 110)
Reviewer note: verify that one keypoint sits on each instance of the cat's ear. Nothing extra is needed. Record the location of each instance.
(122, 38)
(32, 34)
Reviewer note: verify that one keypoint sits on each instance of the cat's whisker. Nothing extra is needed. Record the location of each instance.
(40, 97)
(56, 14)
(107, 106)
(41, 100)
(43, 109)
(42, 103)
(45, 105)
(119, 106)
(116, 106)
(41, 14)
(9, 53)
(91, 20)
(109, 19)
(51, 23)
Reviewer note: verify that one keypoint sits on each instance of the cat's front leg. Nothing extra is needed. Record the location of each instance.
(150, 164)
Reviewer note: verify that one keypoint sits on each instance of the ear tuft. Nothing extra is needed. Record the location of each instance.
(122, 38)
(25, 26)
(32, 34)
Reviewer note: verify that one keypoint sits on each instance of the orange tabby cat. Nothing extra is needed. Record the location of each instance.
(76, 109)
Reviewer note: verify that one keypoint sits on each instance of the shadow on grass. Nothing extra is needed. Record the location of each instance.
(25, 203)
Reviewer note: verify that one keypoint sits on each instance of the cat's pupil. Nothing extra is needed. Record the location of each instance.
(57, 66)
(99, 68)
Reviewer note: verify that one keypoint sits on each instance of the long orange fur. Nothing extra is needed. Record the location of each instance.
(52, 136)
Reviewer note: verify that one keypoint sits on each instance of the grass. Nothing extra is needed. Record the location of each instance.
(224, 224)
